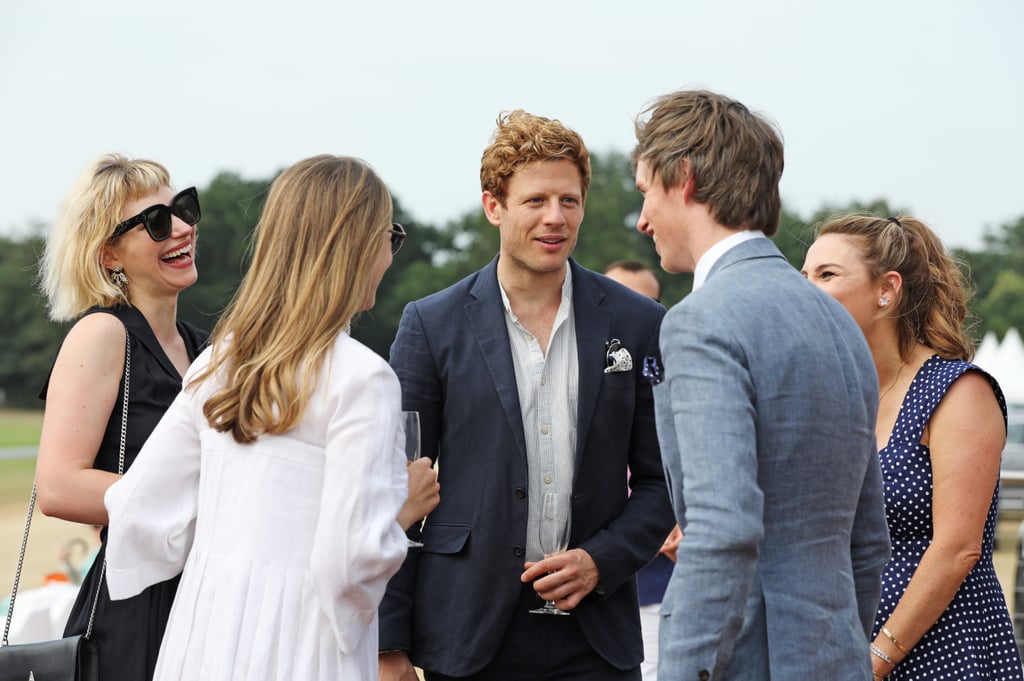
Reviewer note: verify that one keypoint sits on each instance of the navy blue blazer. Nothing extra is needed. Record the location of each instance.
(451, 603)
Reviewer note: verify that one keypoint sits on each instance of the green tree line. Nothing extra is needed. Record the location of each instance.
(436, 256)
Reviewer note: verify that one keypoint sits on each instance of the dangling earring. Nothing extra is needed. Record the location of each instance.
(883, 302)
(118, 277)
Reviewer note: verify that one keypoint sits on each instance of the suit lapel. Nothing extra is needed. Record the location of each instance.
(593, 325)
(485, 314)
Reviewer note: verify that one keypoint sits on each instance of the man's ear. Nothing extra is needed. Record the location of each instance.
(685, 180)
(492, 208)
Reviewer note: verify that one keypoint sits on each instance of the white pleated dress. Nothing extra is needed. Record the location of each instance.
(286, 544)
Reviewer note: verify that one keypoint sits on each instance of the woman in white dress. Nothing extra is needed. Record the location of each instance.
(277, 480)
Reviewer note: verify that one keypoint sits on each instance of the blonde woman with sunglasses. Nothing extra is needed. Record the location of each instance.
(119, 254)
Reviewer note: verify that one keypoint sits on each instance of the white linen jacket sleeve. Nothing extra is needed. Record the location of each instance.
(152, 509)
(358, 544)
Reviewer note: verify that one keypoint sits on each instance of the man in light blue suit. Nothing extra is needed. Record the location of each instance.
(765, 407)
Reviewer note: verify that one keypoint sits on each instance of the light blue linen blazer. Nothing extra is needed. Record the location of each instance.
(766, 420)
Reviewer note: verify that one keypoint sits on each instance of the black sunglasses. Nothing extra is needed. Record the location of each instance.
(157, 219)
(398, 235)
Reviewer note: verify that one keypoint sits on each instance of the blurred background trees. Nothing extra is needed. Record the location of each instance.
(436, 256)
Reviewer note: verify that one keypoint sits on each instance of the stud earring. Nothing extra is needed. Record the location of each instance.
(118, 277)
(883, 302)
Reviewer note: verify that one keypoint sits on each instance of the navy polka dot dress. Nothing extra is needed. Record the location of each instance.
(973, 639)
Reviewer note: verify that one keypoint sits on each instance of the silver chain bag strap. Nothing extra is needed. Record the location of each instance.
(73, 658)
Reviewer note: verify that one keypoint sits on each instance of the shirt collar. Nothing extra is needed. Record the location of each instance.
(566, 292)
(711, 256)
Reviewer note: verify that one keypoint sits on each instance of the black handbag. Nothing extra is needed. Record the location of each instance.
(74, 658)
(67, 659)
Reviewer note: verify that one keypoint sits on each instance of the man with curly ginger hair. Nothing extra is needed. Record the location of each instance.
(527, 378)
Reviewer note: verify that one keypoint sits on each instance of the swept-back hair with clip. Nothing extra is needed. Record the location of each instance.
(311, 271)
(931, 308)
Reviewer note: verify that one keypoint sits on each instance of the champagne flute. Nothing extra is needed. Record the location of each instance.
(411, 424)
(554, 538)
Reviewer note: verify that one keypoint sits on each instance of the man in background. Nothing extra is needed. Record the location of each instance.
(637, 276)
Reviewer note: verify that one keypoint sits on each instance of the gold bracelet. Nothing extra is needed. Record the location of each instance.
(885, 630)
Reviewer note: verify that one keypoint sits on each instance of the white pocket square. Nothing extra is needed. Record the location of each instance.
(619, 360)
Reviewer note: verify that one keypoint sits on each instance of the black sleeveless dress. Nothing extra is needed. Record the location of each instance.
(128, 632)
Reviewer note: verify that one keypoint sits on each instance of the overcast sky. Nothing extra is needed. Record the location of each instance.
(918, 102)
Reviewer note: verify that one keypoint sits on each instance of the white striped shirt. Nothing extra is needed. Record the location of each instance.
(548, 385)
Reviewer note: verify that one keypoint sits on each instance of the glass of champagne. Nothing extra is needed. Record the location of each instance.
(411, 424)
(554, 538)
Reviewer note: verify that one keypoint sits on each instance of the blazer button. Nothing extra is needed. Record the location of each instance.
(520, 493)
(519, 551)
(703, 675)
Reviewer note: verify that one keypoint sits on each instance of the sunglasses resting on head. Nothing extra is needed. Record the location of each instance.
(157, 218)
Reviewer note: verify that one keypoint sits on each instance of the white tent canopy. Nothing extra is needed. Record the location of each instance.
(1005, 361)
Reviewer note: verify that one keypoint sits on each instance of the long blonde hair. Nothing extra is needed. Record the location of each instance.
(931, 308)
(71, 275)
(311, 268)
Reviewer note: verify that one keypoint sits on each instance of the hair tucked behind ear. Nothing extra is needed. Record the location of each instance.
(931, 308)
(316, 245)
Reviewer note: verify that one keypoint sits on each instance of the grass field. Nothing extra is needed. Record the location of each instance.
(20, 427)
(16, 480)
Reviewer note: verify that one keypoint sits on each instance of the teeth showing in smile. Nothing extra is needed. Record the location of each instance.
(187, 248)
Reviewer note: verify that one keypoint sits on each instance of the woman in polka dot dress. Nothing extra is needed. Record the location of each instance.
(941, 430)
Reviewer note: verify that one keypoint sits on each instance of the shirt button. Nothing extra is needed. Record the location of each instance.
(547, 479)
(544, 430)
(520, 493)
(518, 551)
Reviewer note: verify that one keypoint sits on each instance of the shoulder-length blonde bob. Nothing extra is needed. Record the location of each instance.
(71, 275)
(312, 261)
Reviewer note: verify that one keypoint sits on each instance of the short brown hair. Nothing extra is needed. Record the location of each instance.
(735, 156)
(523, 138)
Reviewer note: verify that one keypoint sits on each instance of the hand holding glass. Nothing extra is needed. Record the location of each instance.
(554, 539)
